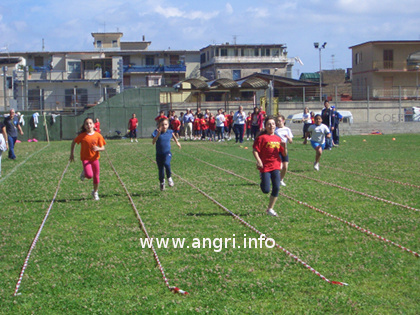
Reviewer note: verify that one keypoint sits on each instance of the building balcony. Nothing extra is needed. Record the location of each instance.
(155, 69)
(245, 60)
(391, 66)
(59, 75)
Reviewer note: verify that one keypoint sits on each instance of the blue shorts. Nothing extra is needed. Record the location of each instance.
(317, 144)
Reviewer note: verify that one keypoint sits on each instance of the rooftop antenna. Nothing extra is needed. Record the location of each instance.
(333, 61)
(43, 46)
(234, 39)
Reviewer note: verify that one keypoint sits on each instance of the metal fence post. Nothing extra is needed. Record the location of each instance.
(368, 103)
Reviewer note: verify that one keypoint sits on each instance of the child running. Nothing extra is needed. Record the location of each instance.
(267, 149)
(317, 132)
(162, 137)
(91, 144)
(286, 136)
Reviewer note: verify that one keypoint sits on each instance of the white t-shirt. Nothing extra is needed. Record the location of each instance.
(306, 118)
(318, 133)
(220, 120)
(283, 132)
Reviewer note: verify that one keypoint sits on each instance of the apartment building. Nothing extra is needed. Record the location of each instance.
(232, 61)
(386, 70)
(74, 80)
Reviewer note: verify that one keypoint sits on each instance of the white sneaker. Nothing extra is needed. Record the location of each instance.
(272, 212)
(171, 182)
(131, 140)
(82, 175)
(282, 183)
(95, 195)
(316, 166)
(136, 140)
(162, 185)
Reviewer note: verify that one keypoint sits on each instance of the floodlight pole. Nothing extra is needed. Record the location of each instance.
(320, 47)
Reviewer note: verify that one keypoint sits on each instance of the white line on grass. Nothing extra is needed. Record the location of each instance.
(314, 208)
(38, 233)
(21, 163)
(143, 227)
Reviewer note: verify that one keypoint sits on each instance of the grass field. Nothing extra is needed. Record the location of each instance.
(89, 256)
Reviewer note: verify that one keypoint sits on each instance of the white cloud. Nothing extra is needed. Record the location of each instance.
(169, 12)
(172, 12)
(229, 8)
(258, 12)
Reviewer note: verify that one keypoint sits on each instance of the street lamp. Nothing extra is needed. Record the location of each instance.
(269, 112)
(317, 46)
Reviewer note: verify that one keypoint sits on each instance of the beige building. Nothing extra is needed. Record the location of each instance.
(386, 70)
(74, 80)
(238, 61)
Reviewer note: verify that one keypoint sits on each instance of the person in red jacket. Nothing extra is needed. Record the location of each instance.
(197, 127)
(204, 127)
(229, 122)
(161, 116)
(212, 127)
(248, 126)
(176, 124)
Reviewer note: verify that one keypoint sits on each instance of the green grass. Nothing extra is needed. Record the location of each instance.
(89, 260)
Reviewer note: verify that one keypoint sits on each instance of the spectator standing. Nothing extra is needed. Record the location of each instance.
(188, 124)
(160, 116)
(239, 119)
(3, 141)
(248, 126)
(97, 126)
(133, 123)
(328, 119)
(220, 125)
(176, 124)
(307, 121)
(11, 128)
(212, 128)
(257, 122)
(336, 131)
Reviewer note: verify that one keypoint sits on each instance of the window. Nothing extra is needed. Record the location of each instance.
(265, 71)
(150, 60)
(98, 44)
(35, 98)
(358, 58)
(73, 66)
(39, 61)
(174, 59)
(236, 74)
(256, 52)
(217, 52)
(388, 59)
(236, 52)
(114, 43)
(223, 52)
(203, 58)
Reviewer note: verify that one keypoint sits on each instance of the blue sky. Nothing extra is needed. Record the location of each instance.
(194, 24)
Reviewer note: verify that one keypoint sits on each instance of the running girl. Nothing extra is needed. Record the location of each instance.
(318, 132)
(267, 149)
(91, 144)
(286, 136)
(162, 137)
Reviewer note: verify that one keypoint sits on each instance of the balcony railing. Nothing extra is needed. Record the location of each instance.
(155, 69)
(384, 65)
(58, 75)
(246, 59)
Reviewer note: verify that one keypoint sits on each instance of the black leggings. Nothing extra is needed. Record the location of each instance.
(274, 176)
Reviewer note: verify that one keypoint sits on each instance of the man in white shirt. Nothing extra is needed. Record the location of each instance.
(220, 124)
(239, 119)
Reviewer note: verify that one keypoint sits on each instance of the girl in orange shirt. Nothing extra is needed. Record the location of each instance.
(91, 144)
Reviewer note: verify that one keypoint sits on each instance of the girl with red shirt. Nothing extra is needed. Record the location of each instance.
(248, 122)
(204, 127)
(212, 128)
(267, 149)
(176, 124)
(197, 127)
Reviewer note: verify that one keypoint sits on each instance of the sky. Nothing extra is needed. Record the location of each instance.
(193, 24)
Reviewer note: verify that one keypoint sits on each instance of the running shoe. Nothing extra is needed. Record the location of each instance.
(272, 212)
(171, 182)
(282, 183)
(162, 185)
(316, 166)
(95, 195)
(82, 175)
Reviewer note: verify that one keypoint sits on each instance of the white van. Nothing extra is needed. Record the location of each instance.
(297, 118)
